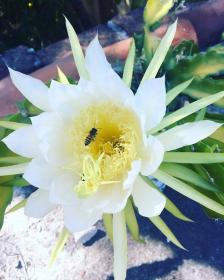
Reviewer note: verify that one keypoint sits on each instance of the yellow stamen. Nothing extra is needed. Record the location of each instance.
(109, 155)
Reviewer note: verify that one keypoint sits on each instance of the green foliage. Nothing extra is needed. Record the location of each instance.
(213, 172)
(5, 199)
(204, 87)
(8, 182)
(199, 65)
(205, 67)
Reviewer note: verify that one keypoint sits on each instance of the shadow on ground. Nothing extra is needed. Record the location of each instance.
(204, 240)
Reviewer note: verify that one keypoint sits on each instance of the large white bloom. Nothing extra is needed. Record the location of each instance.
(96, 178)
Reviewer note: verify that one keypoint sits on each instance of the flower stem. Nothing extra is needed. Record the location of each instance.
(120, 246)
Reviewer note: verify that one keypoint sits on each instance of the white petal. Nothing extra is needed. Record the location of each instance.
(84, 236)
(62, 189)
(95, 59)
(56, 148)
(151, 98)
(132, 174)
(77, 220)
(33, 89)
(65, 99)
(150, 202)
(38, 204)
(54, 136)
(187, 134)
(112, 198)
(152, 156)
(40, 174)
(102, 74)
(23, 141)
(46, 123)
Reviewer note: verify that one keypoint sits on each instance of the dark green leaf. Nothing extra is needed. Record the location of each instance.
(5, 199)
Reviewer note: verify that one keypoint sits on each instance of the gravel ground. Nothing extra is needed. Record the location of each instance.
(26, 243)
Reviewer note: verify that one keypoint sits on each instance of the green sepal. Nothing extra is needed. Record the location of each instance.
(189, 191)
(129, 65)
(62, 77)
(27, 109)
(172, 208)
(219, 135)
(108, 225)
(5, 199)
(62, 239)
(160, 53)
(193, 157)
(188, 175)
(174, 92)
(131, 221)
(161, 225)
(186, 111)
(16, 207)
(200, 88)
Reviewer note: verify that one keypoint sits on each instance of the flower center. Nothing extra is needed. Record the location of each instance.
(105, 140)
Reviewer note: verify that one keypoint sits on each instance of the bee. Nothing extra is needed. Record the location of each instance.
(91, 136)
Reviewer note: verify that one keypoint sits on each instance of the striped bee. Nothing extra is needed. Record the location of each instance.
(91, 136)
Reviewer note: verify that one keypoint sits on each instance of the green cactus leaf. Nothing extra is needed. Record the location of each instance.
(200, 65)
(200, 88)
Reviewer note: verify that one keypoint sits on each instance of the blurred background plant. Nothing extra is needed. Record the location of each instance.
(38, 23)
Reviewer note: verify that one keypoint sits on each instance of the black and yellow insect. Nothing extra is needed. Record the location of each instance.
(91, 136)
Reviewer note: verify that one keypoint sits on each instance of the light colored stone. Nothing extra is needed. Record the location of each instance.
(31, 241)
(193, 270)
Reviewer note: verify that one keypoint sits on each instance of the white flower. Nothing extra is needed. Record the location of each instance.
(89, 146)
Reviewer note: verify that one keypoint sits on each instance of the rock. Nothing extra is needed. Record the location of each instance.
(60, 49)
(21, 58)
(131, 22)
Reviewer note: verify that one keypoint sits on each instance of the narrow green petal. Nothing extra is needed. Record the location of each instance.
(17, 182)
(174, 92)
(201, 115)
(188, 191)
(161, 225)
(13, 169)
(62, 78)
(62, 239)
(18, 206)
(186, 174)
(160, 53)
(129, 65)
(13, 160)
(12, 125)
(218, 134)
(172, 208)
(76, 50)
(6, 195)
(131, 221)
(108, 225)
(120, 246)
(193, 157)
(187, 110)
